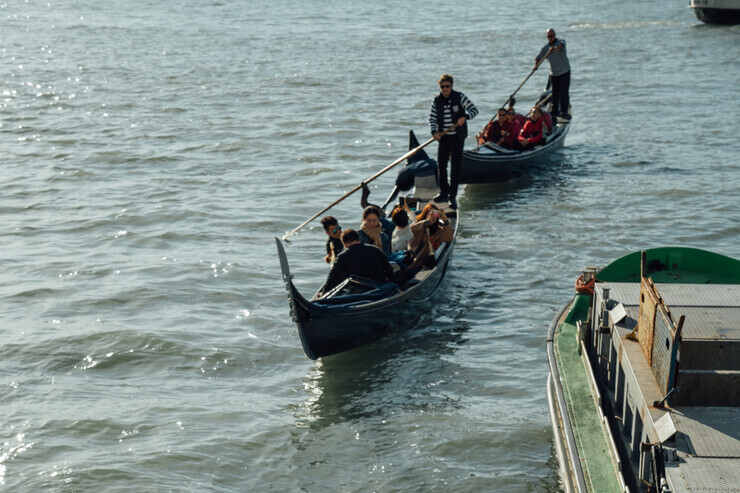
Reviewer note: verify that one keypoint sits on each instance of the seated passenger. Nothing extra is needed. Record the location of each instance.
(372, 233)
(492, 131)
(437, 224)
(385, 222)
(402, 232)
(357, 260)
(334, 241)
(531, 134)
(510, 131)
(432, 227)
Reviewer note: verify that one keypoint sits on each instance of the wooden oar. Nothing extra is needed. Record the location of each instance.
(536, 66)
(368, 180)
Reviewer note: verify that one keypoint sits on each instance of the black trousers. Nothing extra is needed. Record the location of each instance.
(560, 97)
(450, 149)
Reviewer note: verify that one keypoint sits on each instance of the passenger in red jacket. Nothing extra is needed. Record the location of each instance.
(510, 128)
(532, 132)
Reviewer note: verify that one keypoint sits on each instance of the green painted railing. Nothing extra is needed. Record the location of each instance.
(675, 265)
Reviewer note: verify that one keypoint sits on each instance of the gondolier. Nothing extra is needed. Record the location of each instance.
(559, 74)
(450, 109)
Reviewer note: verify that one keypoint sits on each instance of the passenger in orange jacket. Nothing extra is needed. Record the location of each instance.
(532, 132)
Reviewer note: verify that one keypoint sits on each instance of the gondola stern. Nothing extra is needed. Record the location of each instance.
(296, 297)
(421, 155)
(284, 267)
(300, 307)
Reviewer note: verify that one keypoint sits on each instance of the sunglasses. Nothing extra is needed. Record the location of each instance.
(336, 229)
(444, 86)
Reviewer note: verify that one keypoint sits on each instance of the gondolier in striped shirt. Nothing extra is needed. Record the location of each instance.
(450, 109)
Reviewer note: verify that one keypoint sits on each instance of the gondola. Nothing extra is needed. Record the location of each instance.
(344, 318)
(492, 163)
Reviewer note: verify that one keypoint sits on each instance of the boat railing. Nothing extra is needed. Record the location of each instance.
(570, 440)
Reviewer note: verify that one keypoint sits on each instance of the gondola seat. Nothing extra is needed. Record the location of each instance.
(357, 289)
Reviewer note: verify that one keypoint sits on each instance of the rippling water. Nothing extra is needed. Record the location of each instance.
(151, 152)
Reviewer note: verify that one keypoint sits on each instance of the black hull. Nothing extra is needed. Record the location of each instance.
(326, 330)
(483, 166)
(718, 16)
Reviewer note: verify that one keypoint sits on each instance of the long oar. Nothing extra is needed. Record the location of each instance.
(394, 163)
(536, 66)
(510, 98)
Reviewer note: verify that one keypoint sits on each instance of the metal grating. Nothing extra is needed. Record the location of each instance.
(698, 475)
(721, 295)
(709, 322)
(712, 431)
(707, 316)
(662, 346)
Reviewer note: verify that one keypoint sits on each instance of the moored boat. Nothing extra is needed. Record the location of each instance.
(345, 319)
(644, 383)
(717, 11)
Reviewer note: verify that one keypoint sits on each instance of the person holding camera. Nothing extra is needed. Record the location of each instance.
(430, 230)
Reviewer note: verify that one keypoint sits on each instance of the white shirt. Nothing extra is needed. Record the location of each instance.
(400, 238)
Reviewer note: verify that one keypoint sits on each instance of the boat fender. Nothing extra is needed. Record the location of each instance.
(585, 287)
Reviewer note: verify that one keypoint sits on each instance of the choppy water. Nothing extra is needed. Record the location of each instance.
(151, 152)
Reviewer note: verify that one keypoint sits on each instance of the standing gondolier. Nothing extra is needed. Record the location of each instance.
(556, 54)
(450, 109)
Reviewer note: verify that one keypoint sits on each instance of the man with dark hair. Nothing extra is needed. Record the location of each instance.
(450, 109)
(334, 241)
(559, 74)
(492, 131)
(357, 259)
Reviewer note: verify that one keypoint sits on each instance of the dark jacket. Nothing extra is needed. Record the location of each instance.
(459, 105)
(385, 239)
(338, 246)
(359, 260)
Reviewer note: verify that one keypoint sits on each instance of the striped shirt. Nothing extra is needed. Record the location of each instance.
(448, 110)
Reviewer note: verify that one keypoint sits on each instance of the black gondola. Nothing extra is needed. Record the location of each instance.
(335, 324)
(491, 163)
